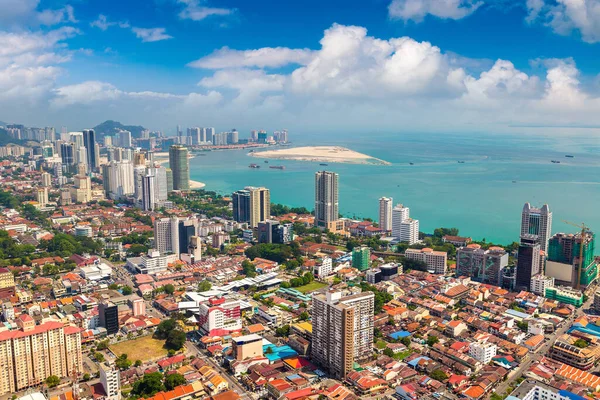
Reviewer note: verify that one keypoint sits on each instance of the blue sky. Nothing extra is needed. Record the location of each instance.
(425, 65)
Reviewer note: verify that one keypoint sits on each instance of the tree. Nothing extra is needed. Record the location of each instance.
(86, 377)
(175, 340)
(99, 357)
(438, 375)
(113, 286)
(431, 340)
(149, 385)
(169, 289)
(127, 290)
(137, 363)
(122, 362)
(303, 316)
(283, 331)
(52, 381)
(269, 350)
(388, 352)
(103, 345)
(204, 286)
(405, 341)
(581, 343)
(249, 269)
(163, 329)
(174, 380)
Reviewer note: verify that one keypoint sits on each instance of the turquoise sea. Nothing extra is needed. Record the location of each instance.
(478, 196)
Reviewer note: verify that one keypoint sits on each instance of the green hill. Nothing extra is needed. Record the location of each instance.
(111, 127)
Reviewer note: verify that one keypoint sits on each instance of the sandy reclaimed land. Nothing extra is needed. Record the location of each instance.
(196, 185)
(322, 154)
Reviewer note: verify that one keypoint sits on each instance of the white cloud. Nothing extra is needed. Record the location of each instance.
(17, 12)
(264, 57)
(196, 10)
(53, 17)
(103, 23)
(151, 34)
(250, 84)
(567, 16)
(416, 10)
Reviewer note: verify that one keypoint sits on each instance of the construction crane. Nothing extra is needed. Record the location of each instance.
(584, 230)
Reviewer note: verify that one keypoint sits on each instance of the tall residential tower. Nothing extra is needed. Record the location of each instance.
(537, 221)
(180, 165)
(385, 213)
(326, 199)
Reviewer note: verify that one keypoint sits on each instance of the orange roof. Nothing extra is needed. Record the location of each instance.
(474, 392)
(534, 341)
(579, 376)
(255, 328)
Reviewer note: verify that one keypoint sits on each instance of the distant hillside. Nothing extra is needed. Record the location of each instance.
(6, 139)
(111, 127)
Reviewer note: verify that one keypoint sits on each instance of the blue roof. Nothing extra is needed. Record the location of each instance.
(570, 395)
(413, 363)
(518, 314)
(399, 334)
(278, 353)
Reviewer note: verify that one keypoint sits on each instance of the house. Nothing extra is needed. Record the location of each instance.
(455, 328)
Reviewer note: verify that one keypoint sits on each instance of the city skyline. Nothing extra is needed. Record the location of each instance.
(420, 56)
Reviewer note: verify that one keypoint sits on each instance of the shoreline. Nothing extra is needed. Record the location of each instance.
(195, 185)
(322, 154)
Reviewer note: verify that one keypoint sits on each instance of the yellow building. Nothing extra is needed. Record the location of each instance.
(33, 353)
(7, 280)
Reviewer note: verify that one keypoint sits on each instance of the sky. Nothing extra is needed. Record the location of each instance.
(321, 66)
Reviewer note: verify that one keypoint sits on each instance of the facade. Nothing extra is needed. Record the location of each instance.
(110, 381)
(148, 193)
(373, 276)
(271, 231)
(565, 295)
(324, 269)
(528, 262)
(32, 353)
(241, 205)
(180, 165)
(539, 284)
(326, 198)
(436, 260)
(538, 222)
(342, 330)
(385, 213)
(166, 235)
(483, 352)
(361, 258)
(248, 346)
(481, 265)
(220, 316)
(109, 317)
(404, 228)
(89, 141)
(260, 205)
(7, 279)
(118, 179)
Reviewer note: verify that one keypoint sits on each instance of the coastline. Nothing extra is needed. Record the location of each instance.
(195, 185)
(322, 154)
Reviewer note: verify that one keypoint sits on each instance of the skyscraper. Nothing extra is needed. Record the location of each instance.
(342, 330)
(563, 259)
(241, 206)
(89, 141)
(260, 205)
(108, 313)
(528, 261)
(180, 165)
(404, 228)
(118, 179)
(326, 198)
(166, 235)
(385, 213)
(537, 221)
(67, 153)
(148, 192)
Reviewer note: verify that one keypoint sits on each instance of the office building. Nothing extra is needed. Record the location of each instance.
(67, 153)
(151, 263)
(537, 221)
(539, 284)
(436, 260)
(123, 139)
(485, 266)
(110, 381)
(271, 231)
(326, 199)
(373, 276)
(483, 352)
(166, 235)
(187, 230)
(342, 331)
(528, 261)
(404, 228)
(390, 271)
(32, 353)
(180, 165)
(149, 199)
(563, 259)
(108, 313)
(385, 213)
(248, 346)
(241, 206)
(260, 205)
(361, 258)
(89, 141)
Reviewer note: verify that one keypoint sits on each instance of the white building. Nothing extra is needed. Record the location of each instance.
(151, 263)
(110, 381)
(220, 316)
(436, 260)
(539, 284)
(118, 179)
(166, 235)
(537, 221)
(404, 228)
(325, 268)
(385, 213)
(96, 272)
(483, 352)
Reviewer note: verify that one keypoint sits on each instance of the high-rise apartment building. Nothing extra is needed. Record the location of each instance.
(342, 330)
(385, 213)
(361, 258)
(326, 198)
(46, 179)
(32, 353)
(404, 228)
(260, 205)
(180, 165)
(118, 179)
(537, 221)
(42, 196)
(108, 313)
(528, 261)
(166, 235)
(110, 381)
(436, 260)
(241, 205)
(148, 192)
(485, 266)
(563, 259)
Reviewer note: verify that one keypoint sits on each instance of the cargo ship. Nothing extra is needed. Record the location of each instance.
(277, 167)
(254, 166)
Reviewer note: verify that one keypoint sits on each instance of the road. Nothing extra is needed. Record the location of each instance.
(233, 383)
(543, 350)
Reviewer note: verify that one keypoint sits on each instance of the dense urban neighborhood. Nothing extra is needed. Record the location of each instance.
(121, 279)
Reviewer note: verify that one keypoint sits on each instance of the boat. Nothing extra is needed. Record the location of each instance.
(323, 164)
(277, 167)
(461, 162)
(254, 166)
(555, 162)
(266, 161)
(411, 163)
(569, 156)
(514, 181)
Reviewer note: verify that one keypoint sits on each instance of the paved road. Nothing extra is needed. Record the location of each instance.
(543, 351)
